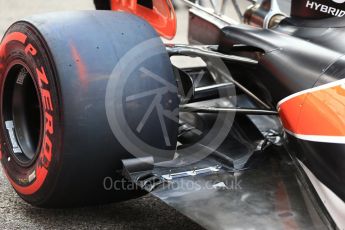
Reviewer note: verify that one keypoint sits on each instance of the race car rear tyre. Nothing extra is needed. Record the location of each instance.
(57, 146)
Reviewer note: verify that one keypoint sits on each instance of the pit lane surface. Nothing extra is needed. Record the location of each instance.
(143, 213)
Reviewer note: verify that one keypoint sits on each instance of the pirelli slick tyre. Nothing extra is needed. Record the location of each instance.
(57, 145)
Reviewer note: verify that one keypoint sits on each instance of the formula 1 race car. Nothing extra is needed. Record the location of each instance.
(243, 128)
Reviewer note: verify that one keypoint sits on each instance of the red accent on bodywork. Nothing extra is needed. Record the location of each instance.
(289, 112)
(319, 112)
(162, 17)
(323, 113)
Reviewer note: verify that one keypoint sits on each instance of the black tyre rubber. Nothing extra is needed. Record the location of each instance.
(102, 4)
(57, 146)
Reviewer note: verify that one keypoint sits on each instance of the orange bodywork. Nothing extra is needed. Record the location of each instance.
(317, 112)
(162, 16)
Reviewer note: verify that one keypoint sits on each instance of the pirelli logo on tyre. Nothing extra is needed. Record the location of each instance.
(31, 180)
(48, 108)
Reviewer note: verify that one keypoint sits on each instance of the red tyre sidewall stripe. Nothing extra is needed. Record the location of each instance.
(15, 36)
(43, 161)
(41, 174)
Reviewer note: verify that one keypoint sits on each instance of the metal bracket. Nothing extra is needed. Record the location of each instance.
(205, 51)
(248, 111)
(136, 165)
(149, 181)
(194, 172)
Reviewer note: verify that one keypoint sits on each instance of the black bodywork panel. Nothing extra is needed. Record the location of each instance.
(251, 189)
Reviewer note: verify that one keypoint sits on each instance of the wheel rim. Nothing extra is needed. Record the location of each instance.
(22, 114)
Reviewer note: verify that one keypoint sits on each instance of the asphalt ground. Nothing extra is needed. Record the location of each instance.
(143, 213)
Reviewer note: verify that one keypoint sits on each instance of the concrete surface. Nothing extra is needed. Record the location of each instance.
(143, 213)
